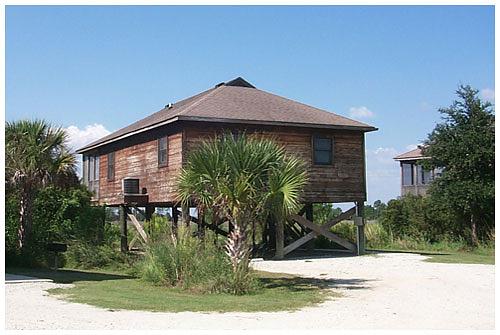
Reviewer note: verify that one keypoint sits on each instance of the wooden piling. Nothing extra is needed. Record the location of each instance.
(123, 229)
(360, 228)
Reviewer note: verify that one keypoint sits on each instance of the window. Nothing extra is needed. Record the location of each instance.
(91, 173)
(322, 150)
(111, 166)
(85, 169)
(424, 176)
(407, 174)
(163, 151)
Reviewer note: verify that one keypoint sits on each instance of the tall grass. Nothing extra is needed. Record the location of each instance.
(378, 237)
(187, 262)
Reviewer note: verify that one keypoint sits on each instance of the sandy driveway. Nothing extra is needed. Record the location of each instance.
(382, 291)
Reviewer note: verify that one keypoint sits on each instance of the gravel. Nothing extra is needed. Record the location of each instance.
(384, 291)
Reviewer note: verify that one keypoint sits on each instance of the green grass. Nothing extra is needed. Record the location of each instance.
(278, 292)
(438, 252)
(477, 256)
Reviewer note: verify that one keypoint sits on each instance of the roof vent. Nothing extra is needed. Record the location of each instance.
(240, 82)
(169, 105)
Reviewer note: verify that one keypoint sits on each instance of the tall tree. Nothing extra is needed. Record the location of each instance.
(35, 154)
(464, 146)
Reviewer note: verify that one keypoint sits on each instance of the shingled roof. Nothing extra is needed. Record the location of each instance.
(414, 154)
(237, 101)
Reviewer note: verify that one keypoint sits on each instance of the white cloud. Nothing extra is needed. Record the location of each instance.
(361, 112)
(488, 94)
(78, 138)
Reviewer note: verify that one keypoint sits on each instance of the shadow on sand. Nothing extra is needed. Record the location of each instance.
(64, 276)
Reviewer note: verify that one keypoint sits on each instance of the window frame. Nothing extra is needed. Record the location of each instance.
(331, 151)
(159, 152)
(110, 165)
(412, 174)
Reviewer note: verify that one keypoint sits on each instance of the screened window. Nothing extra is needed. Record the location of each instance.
(407, 174)
(323, 150)
(111, 166)
(163, 151)
(85, 169)
(424, 176)
(91, 173)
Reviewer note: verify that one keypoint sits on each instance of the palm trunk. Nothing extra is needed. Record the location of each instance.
(280, 239)
(25, 217)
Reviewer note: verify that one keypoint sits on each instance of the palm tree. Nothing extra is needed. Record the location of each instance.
(35, 154)
(244, 180)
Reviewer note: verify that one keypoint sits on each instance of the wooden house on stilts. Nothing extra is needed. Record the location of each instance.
(137, 166)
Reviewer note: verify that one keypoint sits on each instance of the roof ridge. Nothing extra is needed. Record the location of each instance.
(198, 101)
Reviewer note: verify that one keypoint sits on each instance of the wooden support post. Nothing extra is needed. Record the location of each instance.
(123, 229)
(100, 227)
(149, 215)
(310, 217)
(360, 228)
(175, 219)
(149, 212)
(280, 239)
(186, 216)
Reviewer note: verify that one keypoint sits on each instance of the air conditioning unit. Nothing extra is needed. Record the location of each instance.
(130, 186)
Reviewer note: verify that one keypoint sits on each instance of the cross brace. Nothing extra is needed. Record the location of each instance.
(321, 230)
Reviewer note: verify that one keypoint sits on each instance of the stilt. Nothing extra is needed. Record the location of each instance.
(149, 212)
(175, 219)
(360, 228)
(186, 216)
(123, 229)
(100, 227)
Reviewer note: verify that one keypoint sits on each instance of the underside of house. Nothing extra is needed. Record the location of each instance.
(137, 166)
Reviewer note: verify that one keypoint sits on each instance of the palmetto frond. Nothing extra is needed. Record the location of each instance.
(244, 179)
(35, 152)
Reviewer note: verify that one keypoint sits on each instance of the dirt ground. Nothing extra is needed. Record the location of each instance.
(383, 291)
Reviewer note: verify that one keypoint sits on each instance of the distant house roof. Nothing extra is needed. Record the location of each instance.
(237, 101)
(414, 154)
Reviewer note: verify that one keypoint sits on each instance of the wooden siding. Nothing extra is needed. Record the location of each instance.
(141, 161)
(343, 181)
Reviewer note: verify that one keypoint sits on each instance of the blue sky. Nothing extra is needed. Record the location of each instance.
(96, 69)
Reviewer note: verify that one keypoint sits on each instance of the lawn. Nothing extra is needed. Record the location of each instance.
(479, 256)
(472, 257)
(114, 291)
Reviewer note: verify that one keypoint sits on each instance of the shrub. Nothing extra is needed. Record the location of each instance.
(59, 215)
(89, 256)
(421, 218)
(190, 263)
